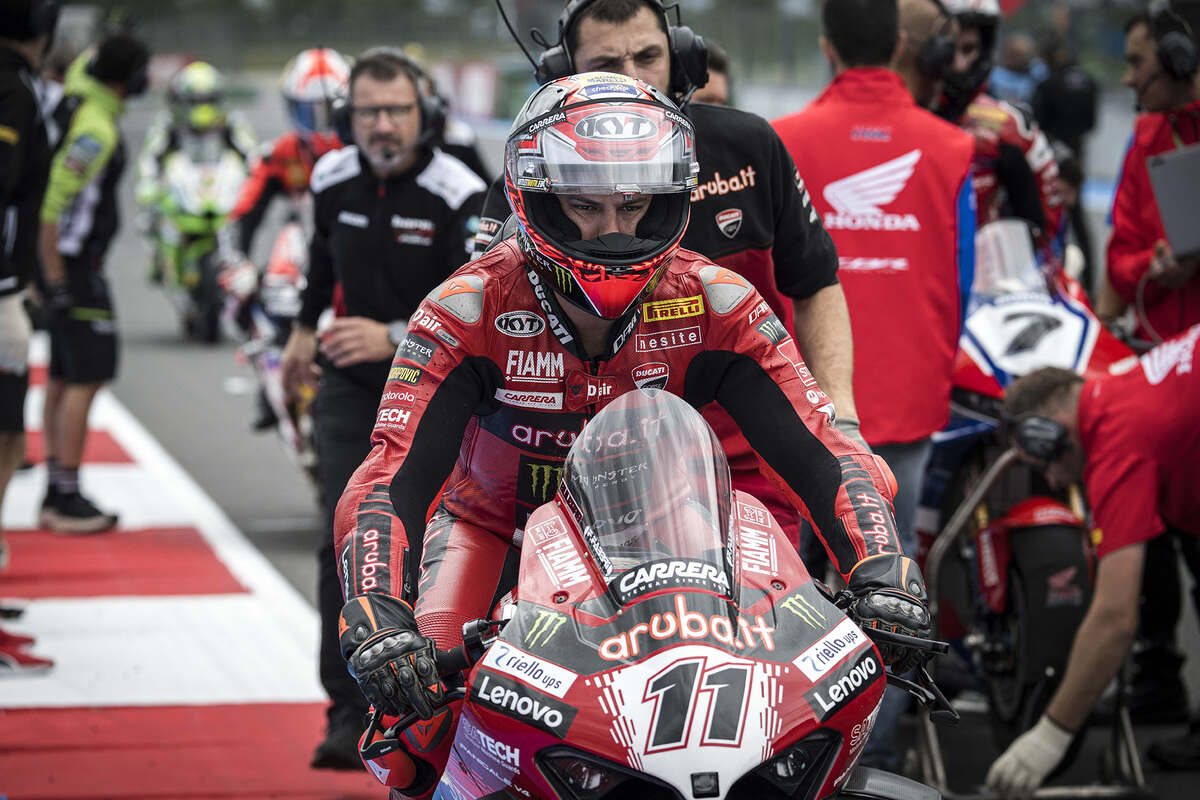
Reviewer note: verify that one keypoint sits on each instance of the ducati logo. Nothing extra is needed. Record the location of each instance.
(729, 221)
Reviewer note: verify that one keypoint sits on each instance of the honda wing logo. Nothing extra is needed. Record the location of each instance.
(859, 198)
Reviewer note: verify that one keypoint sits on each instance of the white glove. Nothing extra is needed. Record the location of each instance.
(1029, 759)
(849, 427)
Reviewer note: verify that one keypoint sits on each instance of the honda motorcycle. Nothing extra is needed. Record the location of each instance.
(202, 179)
(1010, 573)
(664, 641)
(264, 321)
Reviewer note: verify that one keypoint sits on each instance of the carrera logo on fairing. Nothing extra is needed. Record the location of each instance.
(830, 650)
(688, 625)
(857, 199)
(616, 126)
(531, 669)
(521, 324)
(675, 572)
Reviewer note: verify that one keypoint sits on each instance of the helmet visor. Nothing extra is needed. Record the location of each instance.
(311, 116)
(604, 148)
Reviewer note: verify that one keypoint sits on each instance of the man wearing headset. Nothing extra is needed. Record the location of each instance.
(1162, 67)
(1142, 475)
(78, 222)
(893, 185)
(393, 217)
(750, 211)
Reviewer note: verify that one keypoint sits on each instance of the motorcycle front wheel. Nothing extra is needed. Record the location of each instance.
(203, 321)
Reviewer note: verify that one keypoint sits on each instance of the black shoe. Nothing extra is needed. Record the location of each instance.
(1178, 753)
(74, 513)
(49, 502)
(340, 748)
(1157, 702)
(265, 417)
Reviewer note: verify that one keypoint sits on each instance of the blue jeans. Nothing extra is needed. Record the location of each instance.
(908, 463)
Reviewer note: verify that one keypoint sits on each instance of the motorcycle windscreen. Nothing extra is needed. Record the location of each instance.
(648, 484)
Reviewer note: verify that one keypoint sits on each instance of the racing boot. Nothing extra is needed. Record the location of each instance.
(339, 749)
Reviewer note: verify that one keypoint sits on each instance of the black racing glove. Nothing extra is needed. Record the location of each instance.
(891, 597)
(395, 666)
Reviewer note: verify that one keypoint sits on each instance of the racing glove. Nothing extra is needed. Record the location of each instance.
(891, 597)
(395, 666)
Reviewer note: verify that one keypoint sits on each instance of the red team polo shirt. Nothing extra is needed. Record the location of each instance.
(1141, 433)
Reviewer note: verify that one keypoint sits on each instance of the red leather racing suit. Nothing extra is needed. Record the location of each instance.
(286, 166)
(490, 387)
(1003, 133)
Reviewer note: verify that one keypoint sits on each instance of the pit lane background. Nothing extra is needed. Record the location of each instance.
(196, 402)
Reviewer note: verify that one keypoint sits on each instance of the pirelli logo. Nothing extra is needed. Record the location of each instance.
(679, 308)
(406, 374)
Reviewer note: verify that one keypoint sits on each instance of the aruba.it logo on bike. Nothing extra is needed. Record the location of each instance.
(680, 623)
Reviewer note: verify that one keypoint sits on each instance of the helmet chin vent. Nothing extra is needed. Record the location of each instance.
(615, 246)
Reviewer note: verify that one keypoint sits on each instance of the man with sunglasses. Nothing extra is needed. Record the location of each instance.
(1134, 439)
(393, 217)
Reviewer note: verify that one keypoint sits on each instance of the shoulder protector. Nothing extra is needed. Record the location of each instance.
(462, 296)
(723, 287)
(334, 167)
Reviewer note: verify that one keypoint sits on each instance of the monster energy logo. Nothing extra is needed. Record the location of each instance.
(544, 628)
(562, 278)
(803, 608)
(543, 480)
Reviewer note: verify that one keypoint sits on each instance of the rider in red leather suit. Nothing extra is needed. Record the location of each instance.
(309, 83)
(1015, 173)
(501, 368)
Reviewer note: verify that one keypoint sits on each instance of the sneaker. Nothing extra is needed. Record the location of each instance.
(74, 513)
(1178, 753)
(15, 661)
(340, 748)
(9, 639)
(46, 515)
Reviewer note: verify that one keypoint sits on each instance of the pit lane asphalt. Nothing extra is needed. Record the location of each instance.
(197, 402)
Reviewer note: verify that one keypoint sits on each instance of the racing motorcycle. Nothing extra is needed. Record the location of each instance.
(263, 320)
(1010, 572)
(663, 641)
(201, 181)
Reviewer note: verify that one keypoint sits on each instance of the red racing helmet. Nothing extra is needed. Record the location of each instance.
(600, 134)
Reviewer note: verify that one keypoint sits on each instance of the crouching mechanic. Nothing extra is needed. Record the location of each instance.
(1142, 479)
(504, 363)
